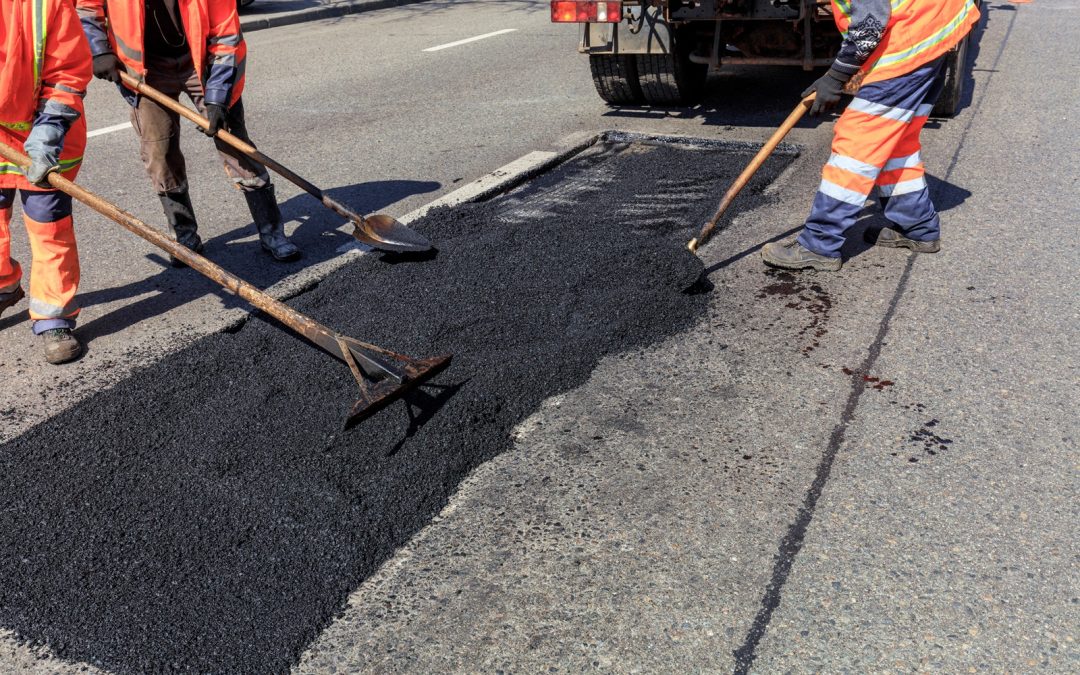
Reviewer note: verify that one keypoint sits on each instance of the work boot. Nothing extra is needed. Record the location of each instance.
(11, 299)
(181, 217)
(267, 216)
(890, 238)
(61, 345)
(791, 255)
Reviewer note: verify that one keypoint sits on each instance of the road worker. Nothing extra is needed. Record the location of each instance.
(191, 47)
(44, 70)
(897, 48)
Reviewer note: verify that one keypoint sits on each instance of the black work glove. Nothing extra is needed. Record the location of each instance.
(829, 87)
(215, 115)
(107, 67)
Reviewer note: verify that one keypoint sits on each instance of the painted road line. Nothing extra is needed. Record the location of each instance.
(108, 130)
(472, 39)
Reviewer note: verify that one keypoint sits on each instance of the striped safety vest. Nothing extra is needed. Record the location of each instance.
(919, 31)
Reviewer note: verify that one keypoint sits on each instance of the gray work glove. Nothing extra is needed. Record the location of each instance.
(216, 115)
(107, 67)
(44, 145)
(829, 88)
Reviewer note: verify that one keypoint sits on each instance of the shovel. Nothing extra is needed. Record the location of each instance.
(383, 376)
(378, 231)
(750, 170)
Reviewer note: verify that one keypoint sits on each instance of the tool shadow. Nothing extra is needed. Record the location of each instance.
(239, 252)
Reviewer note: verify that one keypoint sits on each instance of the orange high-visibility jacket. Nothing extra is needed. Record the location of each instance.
(213, 33)
(919, 31)
(44, 69)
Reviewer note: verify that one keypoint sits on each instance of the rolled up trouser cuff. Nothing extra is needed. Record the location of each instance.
(42, 325)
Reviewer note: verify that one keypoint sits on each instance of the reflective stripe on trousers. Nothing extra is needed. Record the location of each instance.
(54, 266)
(876, 143)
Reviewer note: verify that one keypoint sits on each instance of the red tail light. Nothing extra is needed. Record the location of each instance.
(576, 11)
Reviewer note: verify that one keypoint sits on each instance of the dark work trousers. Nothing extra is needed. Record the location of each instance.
(159, 130)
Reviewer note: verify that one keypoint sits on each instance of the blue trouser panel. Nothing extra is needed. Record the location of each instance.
(45, 207)
(907, 99)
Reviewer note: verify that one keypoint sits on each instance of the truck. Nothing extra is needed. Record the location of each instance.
(660, 52)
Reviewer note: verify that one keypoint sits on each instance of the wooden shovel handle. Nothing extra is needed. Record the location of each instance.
(750, 170)
(241, 146)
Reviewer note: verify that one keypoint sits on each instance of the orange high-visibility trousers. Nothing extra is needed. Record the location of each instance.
(54, 266)
(876, 144)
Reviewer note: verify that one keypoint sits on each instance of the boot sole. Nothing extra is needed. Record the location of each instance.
(911, 245)
(904, 242)
(815, 265)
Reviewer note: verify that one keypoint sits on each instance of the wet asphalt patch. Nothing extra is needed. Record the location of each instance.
(209, 515)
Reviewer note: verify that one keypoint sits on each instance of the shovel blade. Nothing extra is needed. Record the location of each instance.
(386, 391)
(388, 234)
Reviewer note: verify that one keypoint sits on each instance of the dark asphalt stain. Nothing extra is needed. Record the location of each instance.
(803, 294)
(209, 515)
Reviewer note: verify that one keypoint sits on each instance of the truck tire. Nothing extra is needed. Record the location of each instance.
(955, 74)
(672, 79)
(616, 79)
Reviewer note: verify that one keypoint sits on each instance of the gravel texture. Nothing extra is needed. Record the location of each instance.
(208, 514)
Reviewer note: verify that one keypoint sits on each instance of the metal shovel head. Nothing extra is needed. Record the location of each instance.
(386, 391)
(388, 234)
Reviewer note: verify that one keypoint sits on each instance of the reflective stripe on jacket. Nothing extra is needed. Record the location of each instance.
(918, 32)
(213, 33)
(43, 76)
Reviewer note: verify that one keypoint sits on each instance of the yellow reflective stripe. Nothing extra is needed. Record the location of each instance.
(38, 19)
(65, 165)
(929, 43)
(17, 126)
(844, 6)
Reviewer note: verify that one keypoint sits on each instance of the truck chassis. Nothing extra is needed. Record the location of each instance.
(662, 51)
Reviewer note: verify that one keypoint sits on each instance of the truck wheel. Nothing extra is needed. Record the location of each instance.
(616, 78)
(672, 79)
(955, 74)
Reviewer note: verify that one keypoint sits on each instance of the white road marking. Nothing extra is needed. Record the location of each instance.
(108, 130)
(472, 39)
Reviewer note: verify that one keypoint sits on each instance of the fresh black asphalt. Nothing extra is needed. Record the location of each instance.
(209, 515)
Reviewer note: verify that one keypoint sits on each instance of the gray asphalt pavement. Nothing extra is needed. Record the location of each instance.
(869, 471)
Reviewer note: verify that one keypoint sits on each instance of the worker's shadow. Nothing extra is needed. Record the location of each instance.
(946, 196)
(240, 252)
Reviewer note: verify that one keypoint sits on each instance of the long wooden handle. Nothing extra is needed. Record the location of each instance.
(241, 146)
(750, 170)
(312, 330)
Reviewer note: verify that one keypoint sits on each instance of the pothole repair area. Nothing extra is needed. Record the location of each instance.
(208, 514)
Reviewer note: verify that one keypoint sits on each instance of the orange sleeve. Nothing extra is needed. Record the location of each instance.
(67, 65)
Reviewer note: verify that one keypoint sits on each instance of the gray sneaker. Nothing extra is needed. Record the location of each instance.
(890, 238)
(61, 346)
(11, 299)
(791, 255)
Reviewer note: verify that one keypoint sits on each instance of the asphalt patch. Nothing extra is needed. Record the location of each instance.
(209, 515)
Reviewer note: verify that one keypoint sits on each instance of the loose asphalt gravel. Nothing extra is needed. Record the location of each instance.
(208, 514)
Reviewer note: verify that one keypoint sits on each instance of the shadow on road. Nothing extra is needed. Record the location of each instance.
(239, 252)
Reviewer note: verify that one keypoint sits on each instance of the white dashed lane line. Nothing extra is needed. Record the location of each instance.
(472, 39)
(108, 130)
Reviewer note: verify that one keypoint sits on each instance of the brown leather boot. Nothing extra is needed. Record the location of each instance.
(791, 255)
(61, 346)
(890, 238)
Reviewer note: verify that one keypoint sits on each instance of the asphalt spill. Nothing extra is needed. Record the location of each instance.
(208, 515)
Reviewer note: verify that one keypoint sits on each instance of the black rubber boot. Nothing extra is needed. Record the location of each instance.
(181, 217)
(267, 216)
(11, 299)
